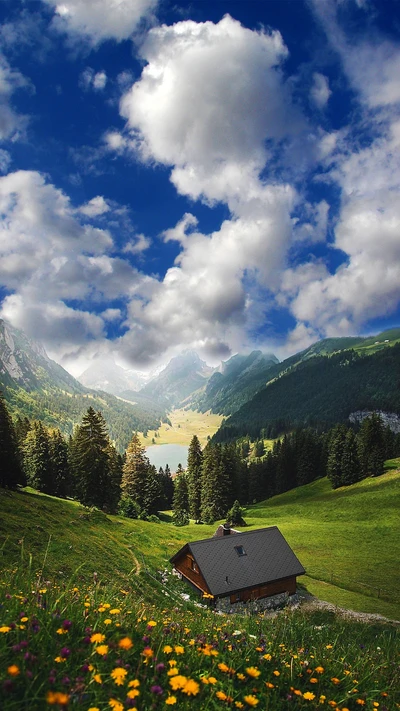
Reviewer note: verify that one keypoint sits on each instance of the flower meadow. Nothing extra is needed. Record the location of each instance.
(93, 648)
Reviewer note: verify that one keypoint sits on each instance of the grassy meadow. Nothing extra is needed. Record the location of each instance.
(88, 622)
(185, 424)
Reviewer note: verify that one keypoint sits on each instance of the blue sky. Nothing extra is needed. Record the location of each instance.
(211, 175)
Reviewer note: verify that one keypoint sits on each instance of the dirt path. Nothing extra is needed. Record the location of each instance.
(310, 603)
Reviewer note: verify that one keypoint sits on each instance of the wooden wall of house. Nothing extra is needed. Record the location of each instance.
(184, 565)
(278, 586)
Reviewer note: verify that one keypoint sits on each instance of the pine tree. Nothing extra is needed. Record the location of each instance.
(91, 457)
(153, 495)
(235, 515)
(351, 469)
(180, 503)
(335, 456)
(195, 459)
(37, 462)
(371, 440)
(11, 472)
(215, 485)
(135, 472)
(167, 486)
(286, 466)
(60, 474)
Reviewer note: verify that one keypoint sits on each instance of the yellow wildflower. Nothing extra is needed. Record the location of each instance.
(361, 702)
(5, 629)
(332, 703)
(97, 678)
(335, 680)
(133, 693)
(320, 670)
(102, 649)
(135, 683)
(172, 672)
(179, 649)
(24, 619)
(241, 676)
(268, 657)
(253, 672)
(57, 697)
(125, 643)
(221, 695)
(107, 621)
(97, 637)
(13, 670)
(152, 623)
(94, 708)
(314, 680)
(178, 682)
(276, 673)
(115, 611)
(61, 631)
(251, 700)
(239, 705)
(269, 685)
(148, 653)
(115, 705)
(170, 700)
(167, 649)
(119, 674)
(308, 696)
(60, 660)
(297, 692)
(329, 646)
(191, 688)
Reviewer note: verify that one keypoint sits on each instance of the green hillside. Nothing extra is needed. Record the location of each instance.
(86, 621)
(348, 538)
(321, 391)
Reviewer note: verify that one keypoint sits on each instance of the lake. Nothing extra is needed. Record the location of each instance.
(171, 454)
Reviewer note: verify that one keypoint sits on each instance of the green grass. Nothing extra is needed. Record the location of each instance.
(348, 538)
(185, 424)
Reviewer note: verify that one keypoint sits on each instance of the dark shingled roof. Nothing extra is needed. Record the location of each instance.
(268, 557)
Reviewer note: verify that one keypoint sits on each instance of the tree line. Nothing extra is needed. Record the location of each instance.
(216, 483)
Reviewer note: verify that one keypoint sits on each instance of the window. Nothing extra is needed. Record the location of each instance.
(193, 566)
(240, 550)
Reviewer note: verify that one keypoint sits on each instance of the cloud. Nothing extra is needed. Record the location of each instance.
(320, 91)
(98, 20)
(190, 108)
(51, 256)
(91, 80)
(96, 206)
(12, 124)
(137, 245)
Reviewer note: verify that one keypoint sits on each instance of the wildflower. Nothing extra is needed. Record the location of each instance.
(94, 708)
(172, 672)
(5, 629)
(107, 621)
(125, 643)
(241, 676)
(115, 611)
(191, 688)
(276, 673)
(314, 680)
(97, 678)
(152, 623)
(329, 646)
(308, 696)
(148, 653)
(156, 689)
(102, 649)
(297, 692)
(335, 680)
(133, 693)
(221, 695)
(251, 700)
(115, 705)
(177, 682)
(267, 657)
(319, 670)
(62, 631)
(97, 638)
(119, 674)
(269, 685)
(322, 699)
(239, 705)
(57, 697)
(179, 649)
(332, 703)
(374, 704)
(361, 702)
(167, 649)
(60, 660)
(253, 672)
(135, 683)
(170, 700)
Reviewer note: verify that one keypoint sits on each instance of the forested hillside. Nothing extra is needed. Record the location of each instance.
(319, 392)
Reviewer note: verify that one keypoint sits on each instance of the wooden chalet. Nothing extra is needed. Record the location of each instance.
(246, 566)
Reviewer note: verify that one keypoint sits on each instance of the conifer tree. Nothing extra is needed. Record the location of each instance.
(11, 472)
(167, 486)
(36, 456)
(135, 472)
(91, 457)
(335, 456)
(60, 474)
(180, 503)
(153, 495)
(371, 440)
(215, 485)
(195, 459)
(351, 469)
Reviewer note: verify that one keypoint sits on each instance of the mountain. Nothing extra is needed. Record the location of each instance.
(36, 387)
(104, 374)
(235, 382)
(183, 375)
(320, 390)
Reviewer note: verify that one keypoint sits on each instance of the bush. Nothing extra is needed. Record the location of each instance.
(128, 507)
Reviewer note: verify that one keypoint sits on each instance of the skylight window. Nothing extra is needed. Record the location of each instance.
(240, 550)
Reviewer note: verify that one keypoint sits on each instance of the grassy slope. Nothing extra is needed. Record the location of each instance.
(348, 539)
(185, 424)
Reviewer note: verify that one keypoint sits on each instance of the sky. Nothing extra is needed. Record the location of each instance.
(219, 176)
